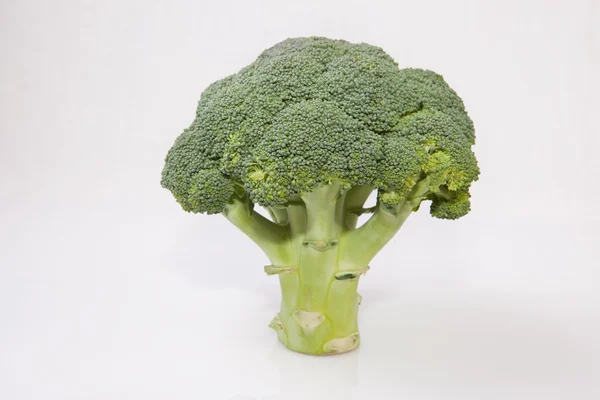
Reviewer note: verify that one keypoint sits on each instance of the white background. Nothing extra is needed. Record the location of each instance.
(108, 290)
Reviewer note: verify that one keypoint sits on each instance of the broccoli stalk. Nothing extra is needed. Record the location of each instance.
(309, 131)
(319, 256)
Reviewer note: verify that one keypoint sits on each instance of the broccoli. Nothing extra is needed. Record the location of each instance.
(308, 131)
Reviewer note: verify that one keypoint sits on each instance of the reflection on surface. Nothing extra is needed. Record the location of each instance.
(431, 344)
(301, 375)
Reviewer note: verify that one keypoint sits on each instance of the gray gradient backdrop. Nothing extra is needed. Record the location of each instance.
(108, 290)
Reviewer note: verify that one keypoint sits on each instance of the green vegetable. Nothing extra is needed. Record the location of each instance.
(308, 131)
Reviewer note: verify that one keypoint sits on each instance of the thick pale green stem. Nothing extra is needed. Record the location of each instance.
(319, 308)
(319, 257)
(319, 247)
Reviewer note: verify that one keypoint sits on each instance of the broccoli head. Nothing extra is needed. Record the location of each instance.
(308, 131)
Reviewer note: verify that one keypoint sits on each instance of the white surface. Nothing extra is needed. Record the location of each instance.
(109, 291)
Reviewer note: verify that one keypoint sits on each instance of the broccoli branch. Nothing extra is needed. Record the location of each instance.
(279, 215)
(322, 213)
(362, 244)
(355, 200)
(272, 238)
(361, 210)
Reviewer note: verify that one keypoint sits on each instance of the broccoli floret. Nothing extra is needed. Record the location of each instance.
(308, 131)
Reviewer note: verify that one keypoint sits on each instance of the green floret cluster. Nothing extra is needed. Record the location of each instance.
(311, 111)
(310, 143)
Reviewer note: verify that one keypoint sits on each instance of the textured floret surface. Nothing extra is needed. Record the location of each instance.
(310, 111)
